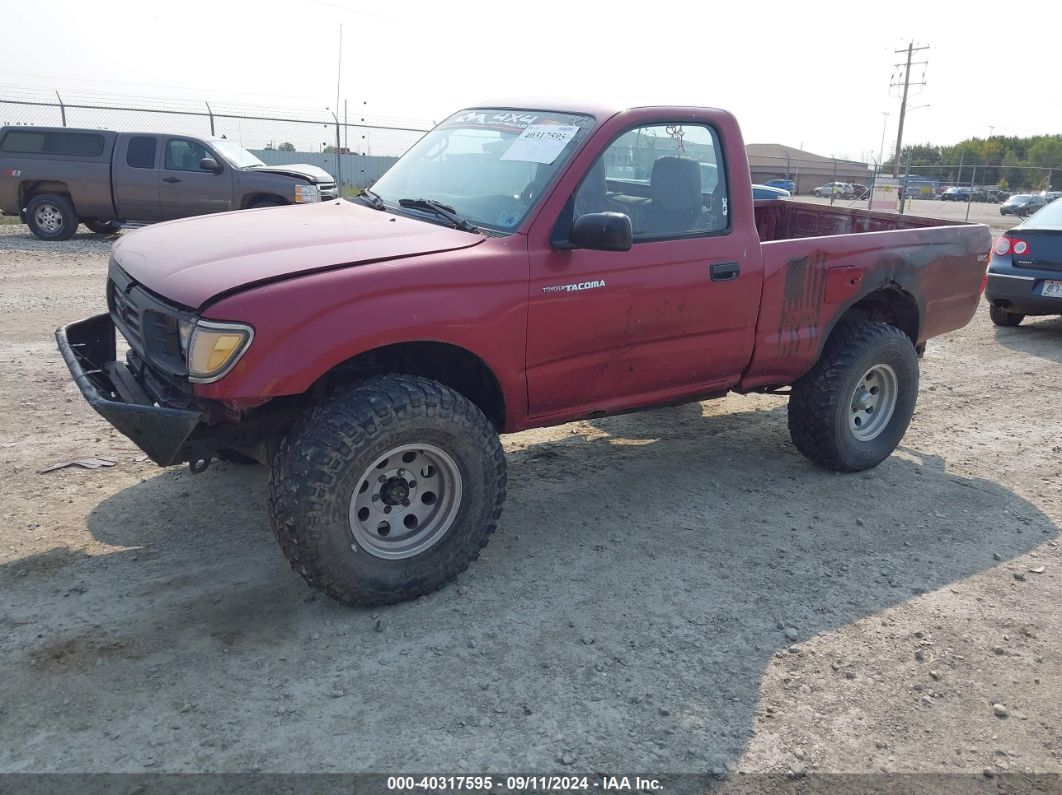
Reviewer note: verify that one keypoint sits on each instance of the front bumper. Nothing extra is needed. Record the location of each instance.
(168, 435)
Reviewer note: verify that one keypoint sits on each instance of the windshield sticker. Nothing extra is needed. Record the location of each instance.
(510, 120)
(540, 143)
(507, 218)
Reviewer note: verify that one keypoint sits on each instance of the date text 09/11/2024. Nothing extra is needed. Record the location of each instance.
(522, 783)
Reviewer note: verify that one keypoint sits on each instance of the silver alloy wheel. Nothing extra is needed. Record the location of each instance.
(873, 402)
(49, 218)
(405, 501)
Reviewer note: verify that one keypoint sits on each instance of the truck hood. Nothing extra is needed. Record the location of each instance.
(193, 260)
(305, 170)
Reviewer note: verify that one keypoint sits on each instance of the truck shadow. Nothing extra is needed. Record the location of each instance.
(639, 587)
(1038, 336)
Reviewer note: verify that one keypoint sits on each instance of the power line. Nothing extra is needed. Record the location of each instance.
(911, 50)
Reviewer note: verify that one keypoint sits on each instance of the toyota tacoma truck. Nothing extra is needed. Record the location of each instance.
(521, 266)
(56, 177)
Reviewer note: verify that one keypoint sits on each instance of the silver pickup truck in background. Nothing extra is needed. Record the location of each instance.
(56, 177)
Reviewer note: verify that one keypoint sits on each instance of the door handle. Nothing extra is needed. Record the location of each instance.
(724, 271)
(171, 179)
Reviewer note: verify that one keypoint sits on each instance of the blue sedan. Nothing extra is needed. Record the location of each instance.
(784, 184)
(1025, 272)
(768, 192)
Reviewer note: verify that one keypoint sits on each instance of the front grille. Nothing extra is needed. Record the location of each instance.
(327, 190)
(150, 325)
(126, 315)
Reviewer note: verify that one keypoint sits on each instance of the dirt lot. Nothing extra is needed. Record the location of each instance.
(670, 591)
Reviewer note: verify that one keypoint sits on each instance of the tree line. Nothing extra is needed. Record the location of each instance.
(1031, 163)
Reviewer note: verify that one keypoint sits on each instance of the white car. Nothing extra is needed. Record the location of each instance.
(842, 190)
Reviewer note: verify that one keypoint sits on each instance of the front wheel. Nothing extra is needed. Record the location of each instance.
(387, 490)
(102, 227)
(851, 409)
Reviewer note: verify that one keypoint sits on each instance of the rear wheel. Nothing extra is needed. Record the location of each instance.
(1001, 317)
(851, 409)
(387, 490)
(51, 216)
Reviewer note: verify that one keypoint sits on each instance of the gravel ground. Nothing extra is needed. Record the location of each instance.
(669, 591)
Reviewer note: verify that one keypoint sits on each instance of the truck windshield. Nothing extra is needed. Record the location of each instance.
(235, 154)
(490, 165)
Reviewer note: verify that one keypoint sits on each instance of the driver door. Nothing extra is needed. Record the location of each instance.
(673, 315)
(186, 189)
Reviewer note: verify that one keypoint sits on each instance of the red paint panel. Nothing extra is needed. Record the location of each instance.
(473, 298)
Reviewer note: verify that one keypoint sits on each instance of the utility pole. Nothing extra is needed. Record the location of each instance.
(881, 152)
(911, 50)
(339, 67)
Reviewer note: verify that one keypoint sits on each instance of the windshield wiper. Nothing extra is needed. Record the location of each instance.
(371, 199)
(441, 210)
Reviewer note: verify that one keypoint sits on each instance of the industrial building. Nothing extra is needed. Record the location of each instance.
(806, 169)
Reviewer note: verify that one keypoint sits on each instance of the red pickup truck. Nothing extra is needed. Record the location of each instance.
(520, 266)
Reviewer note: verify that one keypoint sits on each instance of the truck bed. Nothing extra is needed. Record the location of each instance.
(789, 220)
(820, 260)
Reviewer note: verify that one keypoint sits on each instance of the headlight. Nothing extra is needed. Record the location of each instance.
(306, 193)
(212, 348)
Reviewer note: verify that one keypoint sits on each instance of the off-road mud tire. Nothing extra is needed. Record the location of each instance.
(820, 404)
(323, 458)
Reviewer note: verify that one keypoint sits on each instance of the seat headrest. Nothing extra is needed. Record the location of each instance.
(592, 191)
(675, 184)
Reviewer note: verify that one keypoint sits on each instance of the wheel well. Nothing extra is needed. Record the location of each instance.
(890, 305)
(27, 190)
(450, 365)
(256, 197)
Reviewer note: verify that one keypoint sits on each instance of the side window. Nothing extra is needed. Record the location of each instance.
(184, 155)
(669, 178)
(141, 152)
(53, 143)
(22, 142)
(84, 144)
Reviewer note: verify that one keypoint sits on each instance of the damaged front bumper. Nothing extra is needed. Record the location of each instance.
(169, 435)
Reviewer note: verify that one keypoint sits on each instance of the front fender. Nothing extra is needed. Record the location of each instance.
(475, 299)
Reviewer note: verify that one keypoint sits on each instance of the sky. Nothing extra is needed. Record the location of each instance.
(813, 75)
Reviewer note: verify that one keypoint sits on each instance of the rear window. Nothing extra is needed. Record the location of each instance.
(1050, 217)
(32, 142)
(141, 152)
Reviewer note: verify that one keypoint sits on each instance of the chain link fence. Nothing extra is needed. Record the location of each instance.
(355, 151)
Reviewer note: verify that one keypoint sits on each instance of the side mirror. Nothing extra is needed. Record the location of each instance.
(603, 232)
(210, 164)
